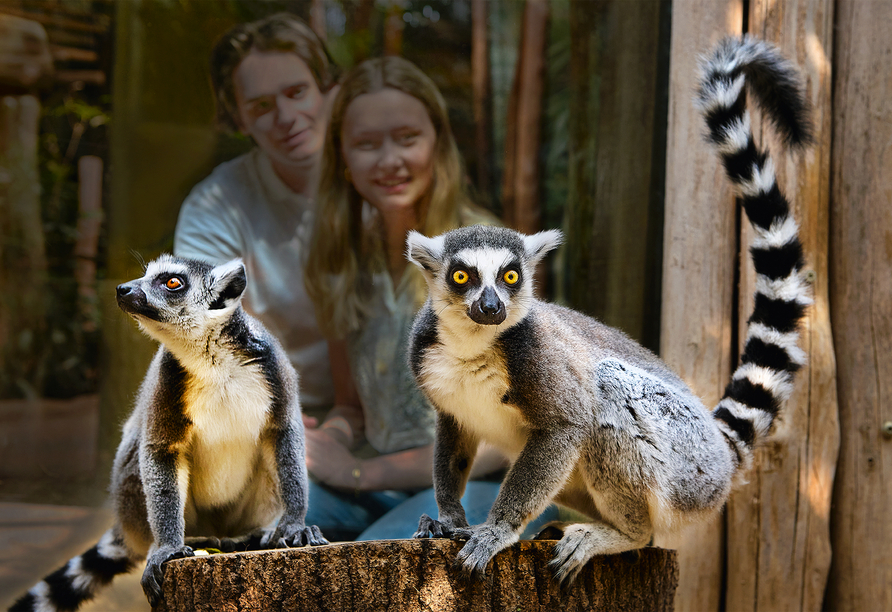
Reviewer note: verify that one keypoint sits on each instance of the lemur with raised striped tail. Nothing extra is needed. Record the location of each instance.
(590, 419)
(213, 453)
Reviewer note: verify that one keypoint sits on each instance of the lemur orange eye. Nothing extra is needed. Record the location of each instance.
(511, 277)
(173, 283)
(460, 277)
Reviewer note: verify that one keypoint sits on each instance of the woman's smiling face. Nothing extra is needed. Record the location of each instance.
(389, 145)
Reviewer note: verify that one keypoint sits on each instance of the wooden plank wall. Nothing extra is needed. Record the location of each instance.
(778, 538)
(861, 306)
(825, 480)
(699, 256)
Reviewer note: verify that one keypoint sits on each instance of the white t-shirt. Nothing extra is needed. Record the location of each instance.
(243, 209)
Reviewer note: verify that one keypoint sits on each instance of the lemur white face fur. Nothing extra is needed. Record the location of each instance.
(484, 288)
(180, 300)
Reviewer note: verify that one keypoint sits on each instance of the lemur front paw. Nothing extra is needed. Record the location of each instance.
(153, 576)
(295, 534)
(432, 528)
(484, 542)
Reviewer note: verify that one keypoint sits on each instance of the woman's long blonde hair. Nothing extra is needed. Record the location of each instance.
(346, 249)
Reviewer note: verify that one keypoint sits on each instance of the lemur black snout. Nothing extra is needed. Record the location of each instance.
(488, 309)
(131, 298)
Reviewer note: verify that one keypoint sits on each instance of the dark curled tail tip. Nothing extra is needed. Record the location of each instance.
(771, 357)
(775, 82)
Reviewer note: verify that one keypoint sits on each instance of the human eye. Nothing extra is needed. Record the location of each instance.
(261, 106)
(296, 92)
(365, 144)
(406, 137)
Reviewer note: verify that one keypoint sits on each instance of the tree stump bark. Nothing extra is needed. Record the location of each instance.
(416, 575)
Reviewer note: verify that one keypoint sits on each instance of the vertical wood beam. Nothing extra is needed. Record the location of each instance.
(393, 30)
(614, 61)
(520, 190)
(778, 537)
(23, 266)
(699, 257)
(317, 19)
(86, 247)
(480, 75)
(861, 306)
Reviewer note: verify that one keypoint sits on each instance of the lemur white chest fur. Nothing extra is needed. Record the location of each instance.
(228, 405)
(471, 389)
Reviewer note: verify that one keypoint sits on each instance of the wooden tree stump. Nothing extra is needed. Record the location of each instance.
(416, 575)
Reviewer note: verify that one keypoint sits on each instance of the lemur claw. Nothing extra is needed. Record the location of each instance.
(484, 542)
(432, 528)
(153, 575)
(289, 536)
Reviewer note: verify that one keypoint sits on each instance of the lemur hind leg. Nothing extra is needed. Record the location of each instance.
(624, 465)
(626, 526)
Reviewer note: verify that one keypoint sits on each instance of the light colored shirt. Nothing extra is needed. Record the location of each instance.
(397, 414)
(243, 209)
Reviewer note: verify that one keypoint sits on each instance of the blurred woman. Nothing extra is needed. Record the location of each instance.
(390, 165)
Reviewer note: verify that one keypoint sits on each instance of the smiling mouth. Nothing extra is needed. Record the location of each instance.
(296, 139)
(393, 184)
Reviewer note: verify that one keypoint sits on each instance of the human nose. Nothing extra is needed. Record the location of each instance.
(286, 112)
(390, 156)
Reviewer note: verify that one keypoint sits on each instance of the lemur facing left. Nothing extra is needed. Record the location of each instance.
(591, 419)
(213, 452)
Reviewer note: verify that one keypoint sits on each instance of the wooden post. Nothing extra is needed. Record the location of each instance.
(610, 238)
(480, 75)
(317, 19)
(778, 531)
(520, 185)
(414, 575)
(393, 30)
(861, 307)
(699, 257)
(89, 223)
(24, 63)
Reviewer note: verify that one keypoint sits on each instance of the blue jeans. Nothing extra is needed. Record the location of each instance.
(402, 520)
(344, 515)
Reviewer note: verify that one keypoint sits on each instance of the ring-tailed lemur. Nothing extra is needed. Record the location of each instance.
(214, 447)
(591, 419)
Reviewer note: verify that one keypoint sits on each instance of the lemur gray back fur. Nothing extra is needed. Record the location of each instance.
(213, 453)
(589, 418)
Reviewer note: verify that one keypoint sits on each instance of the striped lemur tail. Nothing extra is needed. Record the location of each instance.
(771, 356)
(77, 581)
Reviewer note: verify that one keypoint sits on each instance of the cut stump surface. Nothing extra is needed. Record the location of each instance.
(416, 575)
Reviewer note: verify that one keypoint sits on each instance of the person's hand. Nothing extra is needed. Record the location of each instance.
(309, 422)
(330, 461)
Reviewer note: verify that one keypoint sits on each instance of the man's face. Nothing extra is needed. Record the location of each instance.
(280, 106)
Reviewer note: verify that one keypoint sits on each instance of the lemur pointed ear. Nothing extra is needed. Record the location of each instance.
(537, 245)
(228, 282)
(424, 252)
